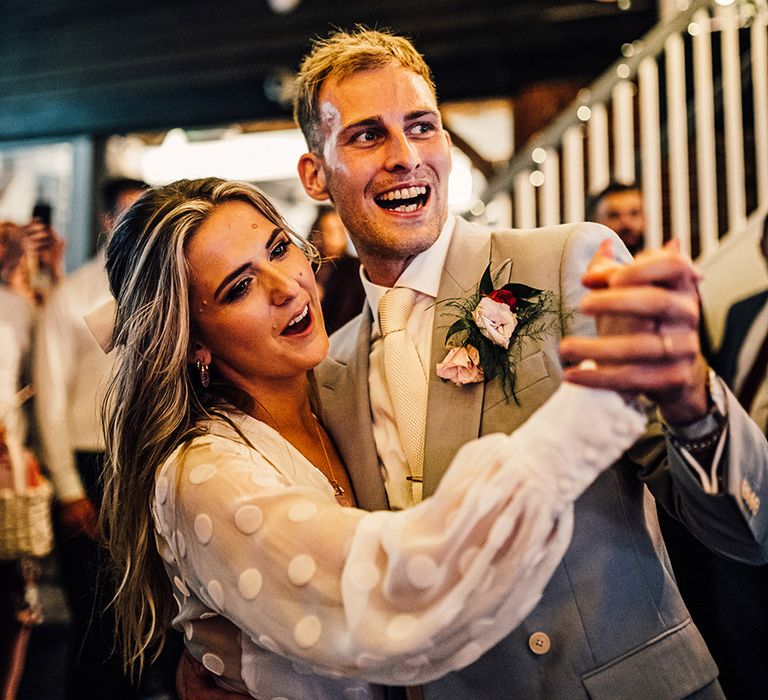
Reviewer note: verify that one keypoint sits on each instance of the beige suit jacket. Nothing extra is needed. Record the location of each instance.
(456, 415)
(613, 620)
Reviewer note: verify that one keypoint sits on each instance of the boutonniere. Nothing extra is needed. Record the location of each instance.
(485, 339)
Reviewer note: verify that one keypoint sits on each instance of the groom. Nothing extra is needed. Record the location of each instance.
(611, 622)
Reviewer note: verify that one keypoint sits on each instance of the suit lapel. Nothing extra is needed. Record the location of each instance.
(453, 413)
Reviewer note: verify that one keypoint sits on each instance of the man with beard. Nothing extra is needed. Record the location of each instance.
(620, 207)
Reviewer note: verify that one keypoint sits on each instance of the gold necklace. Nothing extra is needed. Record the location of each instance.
(338, 489)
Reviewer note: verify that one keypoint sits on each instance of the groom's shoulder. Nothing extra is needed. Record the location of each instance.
(559, 234)
(577, 241)
(341, 351)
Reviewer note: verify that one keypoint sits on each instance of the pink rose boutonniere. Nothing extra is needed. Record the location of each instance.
(495, 316)
(461, 366)
(483, 342)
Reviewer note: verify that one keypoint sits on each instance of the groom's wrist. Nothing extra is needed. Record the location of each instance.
(704, 431)
(691, 403)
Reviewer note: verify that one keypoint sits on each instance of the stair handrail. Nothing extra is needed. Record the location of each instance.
(598, 92)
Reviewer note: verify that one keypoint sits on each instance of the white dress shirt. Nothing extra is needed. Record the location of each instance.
(423, 276)
(71, 372)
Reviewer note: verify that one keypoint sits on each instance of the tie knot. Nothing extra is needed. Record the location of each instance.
(394, 308)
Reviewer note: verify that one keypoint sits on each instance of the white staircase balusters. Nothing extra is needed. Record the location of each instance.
(704, 110)
(650, 150)
(594, 140)
(677, 128)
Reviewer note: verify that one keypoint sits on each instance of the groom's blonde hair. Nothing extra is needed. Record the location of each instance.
(340, 55)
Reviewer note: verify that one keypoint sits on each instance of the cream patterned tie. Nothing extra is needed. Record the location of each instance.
(406, 379)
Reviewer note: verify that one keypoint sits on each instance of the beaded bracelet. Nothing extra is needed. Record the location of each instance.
(704, 443)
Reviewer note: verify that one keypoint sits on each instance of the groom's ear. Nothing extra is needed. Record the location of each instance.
(312, 177)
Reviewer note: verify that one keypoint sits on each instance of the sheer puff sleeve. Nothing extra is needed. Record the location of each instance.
(389, 597)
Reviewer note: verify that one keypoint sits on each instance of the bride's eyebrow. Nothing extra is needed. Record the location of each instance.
(238, 271)
(272, 237)
(242, 268)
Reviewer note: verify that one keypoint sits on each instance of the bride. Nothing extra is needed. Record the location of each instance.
(229, 513)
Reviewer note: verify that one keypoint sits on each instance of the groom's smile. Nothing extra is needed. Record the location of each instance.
(404, 199)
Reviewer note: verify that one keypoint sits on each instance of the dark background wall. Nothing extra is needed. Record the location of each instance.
(111, 66)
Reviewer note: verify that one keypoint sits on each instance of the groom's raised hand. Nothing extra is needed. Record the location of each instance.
(647, 314)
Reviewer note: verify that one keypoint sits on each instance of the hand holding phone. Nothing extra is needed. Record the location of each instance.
(43, 213)
(43, 249)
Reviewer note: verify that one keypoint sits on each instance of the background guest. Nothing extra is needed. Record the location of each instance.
(16, 314)
(620, 207)
(31, 259)
(23, 250)
(728, 600)
(71, 372)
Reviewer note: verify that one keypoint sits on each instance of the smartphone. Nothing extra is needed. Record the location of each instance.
(42, 211)
(40, 275)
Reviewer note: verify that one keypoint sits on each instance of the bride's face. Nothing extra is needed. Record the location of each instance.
(253, 300)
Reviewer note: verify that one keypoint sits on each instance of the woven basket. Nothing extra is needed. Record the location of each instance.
(25, 522)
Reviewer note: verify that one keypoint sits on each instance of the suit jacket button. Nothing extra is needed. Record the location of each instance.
(539, 643)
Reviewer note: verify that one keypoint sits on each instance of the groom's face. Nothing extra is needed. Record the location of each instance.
(385, 161)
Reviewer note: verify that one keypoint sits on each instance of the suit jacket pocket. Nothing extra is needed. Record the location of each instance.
(668, 667)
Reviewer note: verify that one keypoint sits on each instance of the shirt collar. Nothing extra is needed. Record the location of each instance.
(422, 274)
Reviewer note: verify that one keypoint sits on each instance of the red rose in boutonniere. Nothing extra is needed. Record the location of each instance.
(483, 342)
(504, 296)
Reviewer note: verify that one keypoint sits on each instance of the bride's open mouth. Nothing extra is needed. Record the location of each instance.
(299, 323)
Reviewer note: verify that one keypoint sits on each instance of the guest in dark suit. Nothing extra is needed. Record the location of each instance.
(729, 600)
(338, 278)
(743, 356)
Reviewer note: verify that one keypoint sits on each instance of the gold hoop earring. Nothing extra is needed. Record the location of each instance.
(205, 377)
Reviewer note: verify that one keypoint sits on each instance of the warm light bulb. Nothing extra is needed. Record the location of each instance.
(283, 7)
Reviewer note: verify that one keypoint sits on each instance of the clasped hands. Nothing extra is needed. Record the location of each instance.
(647, 314)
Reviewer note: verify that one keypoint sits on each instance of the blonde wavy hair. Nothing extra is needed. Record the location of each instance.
(337, 57)
(155, 400)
